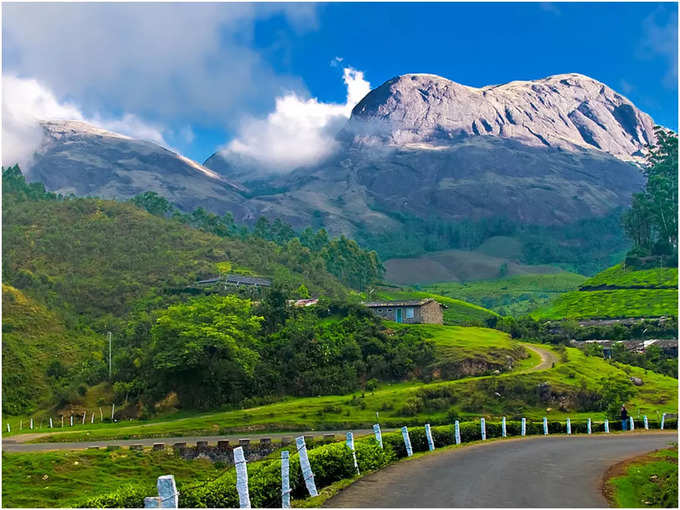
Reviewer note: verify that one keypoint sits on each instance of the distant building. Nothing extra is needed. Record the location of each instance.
(422, 311)
(238, 280)
(668, 347)
(301, 303)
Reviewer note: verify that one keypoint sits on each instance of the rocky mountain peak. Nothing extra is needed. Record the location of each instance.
(566, 111)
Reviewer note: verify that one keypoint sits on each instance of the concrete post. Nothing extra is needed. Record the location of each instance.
(31, 424)
(428, 435)
(482, 424)
(407, 441)
(241, 478)
(285, 479)
(646, 422)
(632, 424)
(168, 497)
(569, 426)
(307, 473)
(504, 430)
(350, 445)
(606, 425)
(663, 419)
(545, 426)
(8, 428)
(378, 434)
(524, 426)
(590, 426)
(456, 431)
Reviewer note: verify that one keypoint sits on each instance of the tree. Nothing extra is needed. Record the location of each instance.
(153, 203)
(652, 221)
(205, 350)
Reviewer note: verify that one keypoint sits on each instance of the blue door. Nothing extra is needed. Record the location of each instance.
(399, 317)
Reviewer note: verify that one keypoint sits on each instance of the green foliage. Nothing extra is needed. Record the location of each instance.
(652, 221)
(612, 304)
(620, 276)
(514, 295)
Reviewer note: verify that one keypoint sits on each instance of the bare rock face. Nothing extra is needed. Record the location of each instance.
(567, 111)
(76, 157)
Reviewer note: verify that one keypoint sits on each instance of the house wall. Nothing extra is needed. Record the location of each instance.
(429, 313)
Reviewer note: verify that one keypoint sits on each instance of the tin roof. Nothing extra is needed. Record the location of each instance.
(394, 304)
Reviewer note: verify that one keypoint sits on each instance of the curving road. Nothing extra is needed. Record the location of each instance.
(558, 471)
(547, 357)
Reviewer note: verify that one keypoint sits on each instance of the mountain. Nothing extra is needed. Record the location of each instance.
(424, 164)
(79, 158)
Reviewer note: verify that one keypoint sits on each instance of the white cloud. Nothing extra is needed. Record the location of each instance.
(660, 38)
(299, 131)
(25, 102)
(186, 63)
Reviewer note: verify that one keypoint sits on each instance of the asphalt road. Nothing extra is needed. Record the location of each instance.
(10, 445)
(550, 472)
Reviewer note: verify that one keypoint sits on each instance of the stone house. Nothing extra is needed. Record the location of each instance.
(421, 311)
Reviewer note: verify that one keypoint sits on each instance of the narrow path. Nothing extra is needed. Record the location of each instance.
(549, 472)
(547, 357)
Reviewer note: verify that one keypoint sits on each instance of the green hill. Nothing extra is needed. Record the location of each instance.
(619, 293)
(513, 295)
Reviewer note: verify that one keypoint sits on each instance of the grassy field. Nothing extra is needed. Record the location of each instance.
(458, 312)
(612, 304)
(64, 477)
(617, 276)
(514, 295)
(513, 394)
(649, 481)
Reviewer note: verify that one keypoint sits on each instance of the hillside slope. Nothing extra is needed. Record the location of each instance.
(619, 293)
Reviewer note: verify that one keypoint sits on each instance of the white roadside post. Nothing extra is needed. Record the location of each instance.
(350, 445)
(482, 424)
(101, 414)
(504, 430)
(285, 479)
(241, 478)
(545, 426)
(84, 414)
(71, 420)
(92, 418)
(644, 418)
(663, 419)
(590, 426)
(21, 424)
(456, 431)
(113, 411)
(307, 473)
(606, 425)
(31, 424)
(569, 426)
(62, 421)
(407, 441)
(8, 429)
(50, 422)
(168, 497)
(428, 435)
(378, 434)
(524, 426)
(632, 424)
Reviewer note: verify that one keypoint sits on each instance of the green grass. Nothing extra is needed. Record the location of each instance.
(413, 403)
(64, 477)
(617, 276)
(514, 295)
(611, 304)
(458, 312)
(651, 481)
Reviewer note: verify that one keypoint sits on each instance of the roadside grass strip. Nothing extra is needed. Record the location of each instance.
(332, 466)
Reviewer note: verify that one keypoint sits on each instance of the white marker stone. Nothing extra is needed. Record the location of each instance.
(378, 434)
(31, 424)
(569, 426)
(590, 426)
(92, 418)
(84, 414)
(50, 422)
(8, 429)
(285, 479)
(524, 426)
(504, 430)
(71, 420)
(632, 424)
(407, 441)
(606, 425)
(428, 435)
(646, 422)
(456, 431)
(307, 473)
(241, 478)
(545, 426)
(168, 497)
(663, 419)
(350, 445)
(482, 424)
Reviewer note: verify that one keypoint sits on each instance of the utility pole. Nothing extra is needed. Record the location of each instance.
(109, 336)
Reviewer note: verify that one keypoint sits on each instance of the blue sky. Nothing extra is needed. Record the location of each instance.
(196, 74)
